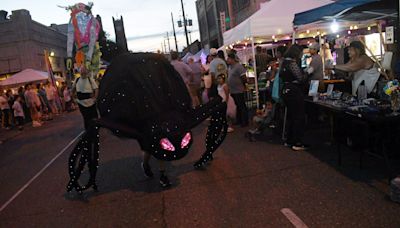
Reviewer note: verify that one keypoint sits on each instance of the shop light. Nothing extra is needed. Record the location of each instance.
(349, 32)
(318, 33)
(52, 53)
(273, 37)
(301, 36)
(334, 26)
(355, 27)
(351, 27)
(275, 40)
(337, 36)
(369, 28)
(308, 31)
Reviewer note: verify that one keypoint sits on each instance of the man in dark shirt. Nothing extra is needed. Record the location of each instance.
(262, 60)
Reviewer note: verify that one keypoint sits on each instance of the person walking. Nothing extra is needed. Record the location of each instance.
(182, 68)
(236, 83)
(195, 83)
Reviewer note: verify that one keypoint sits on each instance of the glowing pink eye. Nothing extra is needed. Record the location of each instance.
(166, 144)
(186, 140)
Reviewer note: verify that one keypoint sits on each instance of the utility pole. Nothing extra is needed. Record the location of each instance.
(165, 47)
(184, 24)
(169, 46)
(173, 27)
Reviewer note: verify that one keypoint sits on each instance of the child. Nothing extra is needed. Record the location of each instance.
(18, 112)
(223, 91)
(261, 120)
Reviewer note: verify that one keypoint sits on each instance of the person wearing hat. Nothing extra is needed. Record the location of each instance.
(361, 67)
(315, 69)
(217, 67)
(236, 84)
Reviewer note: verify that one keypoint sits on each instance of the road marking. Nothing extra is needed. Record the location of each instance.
(39, 173)
(296, 221)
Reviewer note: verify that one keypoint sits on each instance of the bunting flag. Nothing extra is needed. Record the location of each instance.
(52, 79)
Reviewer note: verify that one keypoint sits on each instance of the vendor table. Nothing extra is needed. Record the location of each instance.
(372, 133)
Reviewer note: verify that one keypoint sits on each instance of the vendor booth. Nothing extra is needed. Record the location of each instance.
(271, 22)
(370, 124)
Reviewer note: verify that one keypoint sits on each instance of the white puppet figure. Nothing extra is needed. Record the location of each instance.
(83, 31)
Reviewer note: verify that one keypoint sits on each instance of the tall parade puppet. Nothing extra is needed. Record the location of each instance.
(142, 97)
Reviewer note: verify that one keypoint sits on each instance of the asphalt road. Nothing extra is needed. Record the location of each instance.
(249, 184)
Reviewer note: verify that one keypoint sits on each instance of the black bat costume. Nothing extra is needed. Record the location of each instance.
(141, 96)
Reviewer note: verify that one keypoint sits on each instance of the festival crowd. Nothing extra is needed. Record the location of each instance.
(34, 103)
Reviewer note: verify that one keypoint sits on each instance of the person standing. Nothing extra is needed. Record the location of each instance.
(18, 112)
(361, 68)
(33, 103)
(5, 110)
(195, 83)
(262, 60)
(293, 96)
(315, 69)
(206, 79)
(217, 67)
(51, 97)
(236, 83)
(86, 91)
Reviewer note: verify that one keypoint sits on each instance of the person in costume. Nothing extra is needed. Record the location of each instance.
(142, 97)
(83, 31)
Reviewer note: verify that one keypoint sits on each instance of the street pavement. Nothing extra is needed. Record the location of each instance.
(249, 184)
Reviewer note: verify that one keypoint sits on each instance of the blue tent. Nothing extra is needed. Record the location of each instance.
(330, 10)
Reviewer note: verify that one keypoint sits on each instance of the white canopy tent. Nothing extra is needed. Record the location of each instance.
(274, 18)
(24, 77)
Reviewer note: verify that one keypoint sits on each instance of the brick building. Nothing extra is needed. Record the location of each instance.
(210, 13)
(23, 41)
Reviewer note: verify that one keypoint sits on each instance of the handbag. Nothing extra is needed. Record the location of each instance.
(277, 88)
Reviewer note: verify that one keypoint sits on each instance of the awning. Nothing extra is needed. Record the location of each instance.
(330, 10)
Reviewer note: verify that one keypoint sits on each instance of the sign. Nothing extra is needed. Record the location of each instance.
(389, 35)
(222, 19)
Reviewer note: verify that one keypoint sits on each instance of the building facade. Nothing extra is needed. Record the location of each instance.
(217, 16)
(23, 41)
